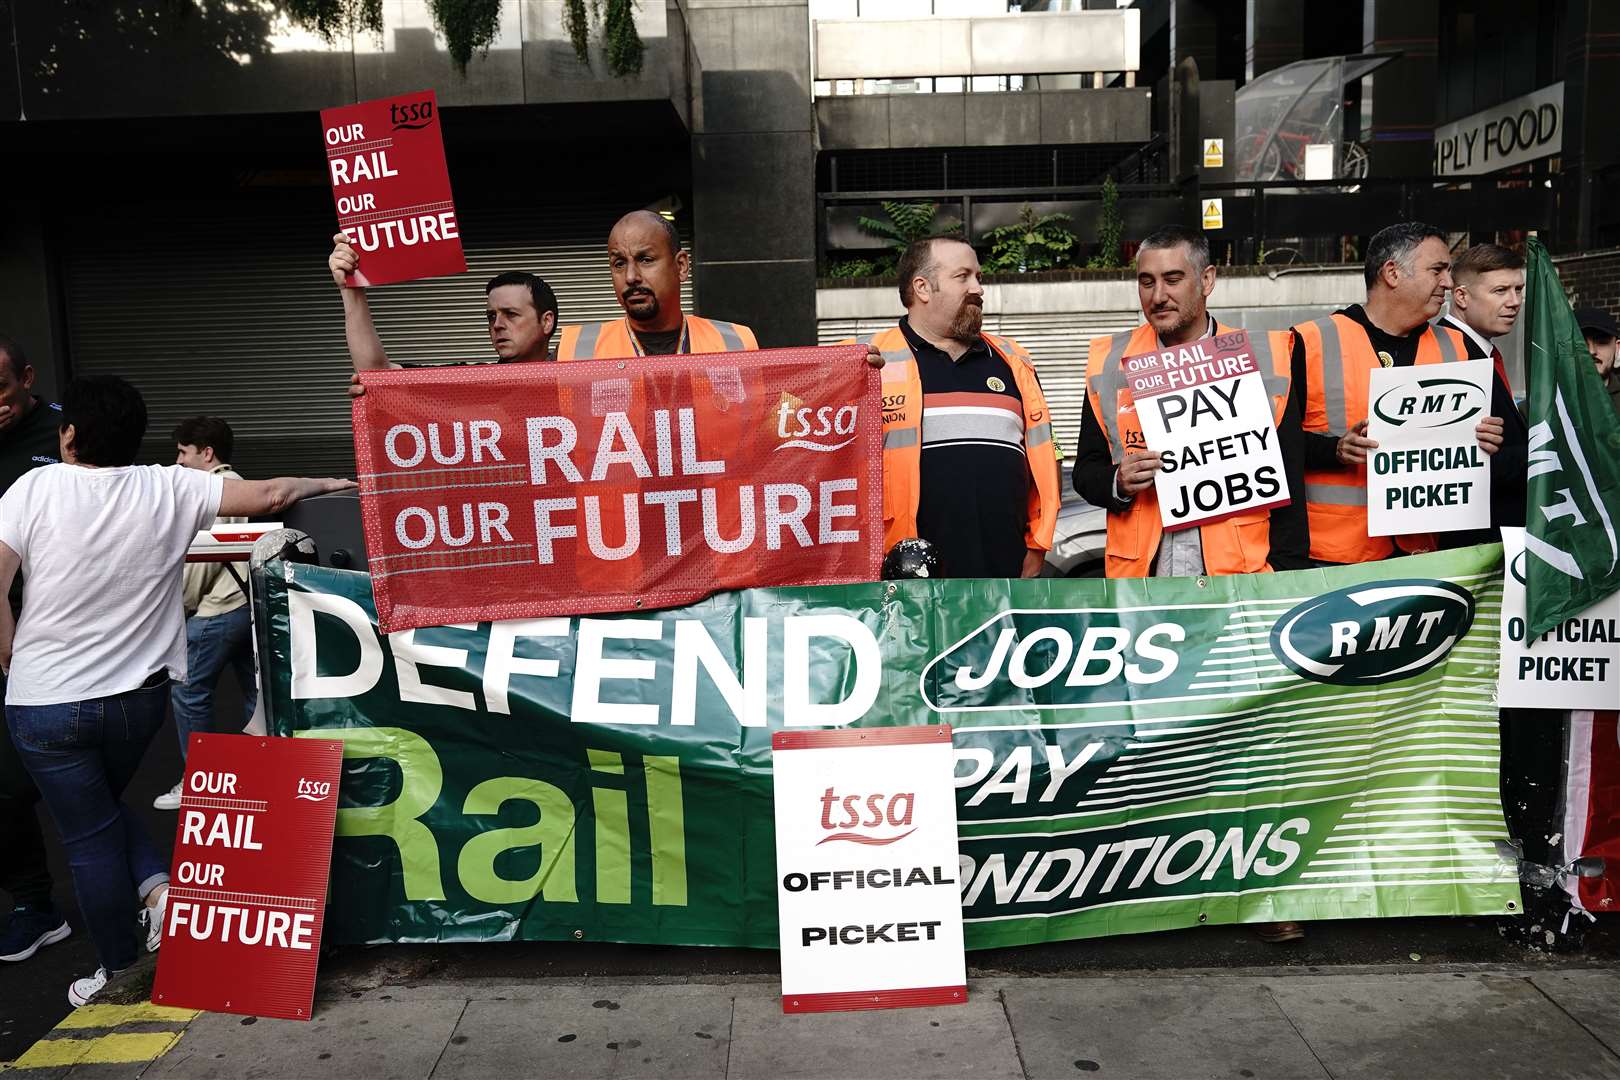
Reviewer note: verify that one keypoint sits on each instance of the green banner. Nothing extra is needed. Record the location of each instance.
(1130, 755)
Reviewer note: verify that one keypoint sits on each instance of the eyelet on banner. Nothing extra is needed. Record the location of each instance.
(1203, 582)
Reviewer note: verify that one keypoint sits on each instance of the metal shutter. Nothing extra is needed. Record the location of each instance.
(228, 310)
(1058, 341)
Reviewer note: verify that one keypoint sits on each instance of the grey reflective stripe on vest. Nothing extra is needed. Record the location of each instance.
(1109, 381)
(1335, 495)
(895, 438)
(1448, 345)
(1038, 435)
(892, 358)
(1333, 402)
(585, 344)
(728, 334)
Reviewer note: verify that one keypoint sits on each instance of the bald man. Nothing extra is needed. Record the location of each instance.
(644, 253)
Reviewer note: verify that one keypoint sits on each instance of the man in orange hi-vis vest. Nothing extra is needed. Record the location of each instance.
(968, 459)
(649, 266)
(1114, 468)
(1408, 272)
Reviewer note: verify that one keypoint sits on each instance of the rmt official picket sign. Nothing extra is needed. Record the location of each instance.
(867, 872)
(247, 891)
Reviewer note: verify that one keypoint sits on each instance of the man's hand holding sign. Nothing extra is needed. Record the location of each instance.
(1205, 410)
(1429, 451)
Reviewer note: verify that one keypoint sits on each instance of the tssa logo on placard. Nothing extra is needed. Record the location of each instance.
(314, 790)
(1055, 659)
(414, 115)
(1375, 633)
(1433, 403)
(877, 815)
(801, 425)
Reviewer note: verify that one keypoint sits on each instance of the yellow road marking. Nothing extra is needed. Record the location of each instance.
(93, 1016)
(106, 1050)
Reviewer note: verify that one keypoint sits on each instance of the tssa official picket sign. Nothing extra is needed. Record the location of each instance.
(247, 890)
(1428, 473)
(1130, 755)
(1575, 665)
(1204, 410)
(866, 869)
(392, 188)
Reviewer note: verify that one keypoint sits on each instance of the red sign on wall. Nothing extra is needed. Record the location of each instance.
(247, 891)
(513, 491)
(385, 159)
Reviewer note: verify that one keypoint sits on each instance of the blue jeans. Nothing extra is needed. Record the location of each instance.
(82, 755)
(212, 642)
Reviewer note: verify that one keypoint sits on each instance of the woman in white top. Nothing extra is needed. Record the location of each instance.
(101, 544)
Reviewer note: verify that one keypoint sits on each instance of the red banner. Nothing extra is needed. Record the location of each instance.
(527, 490)
(1592, 807)
(247, 891)
(385, 159)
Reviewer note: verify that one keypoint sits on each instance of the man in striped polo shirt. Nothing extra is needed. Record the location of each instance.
(968, 460)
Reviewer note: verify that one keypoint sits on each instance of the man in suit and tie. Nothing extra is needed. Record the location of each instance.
(1486, 297)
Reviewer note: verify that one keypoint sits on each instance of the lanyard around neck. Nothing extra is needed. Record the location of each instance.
(681, 347)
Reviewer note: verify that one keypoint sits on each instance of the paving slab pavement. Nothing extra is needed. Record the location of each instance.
(592, 1033)
(972, 1039)
(1152, 1028)
(1444, 1026)
(377, 1040)
(1470, 1022)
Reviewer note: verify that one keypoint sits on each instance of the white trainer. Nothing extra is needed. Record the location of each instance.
(169, 800)
(152, 917)
(82, 990)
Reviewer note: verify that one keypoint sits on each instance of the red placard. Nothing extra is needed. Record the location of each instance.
(1592, 807)
(525, 490)
(247, 891)
(385, 159)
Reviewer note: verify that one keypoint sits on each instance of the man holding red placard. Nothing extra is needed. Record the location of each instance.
(522, 313)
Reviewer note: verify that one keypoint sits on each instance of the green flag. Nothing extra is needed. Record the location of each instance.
(1573, 504)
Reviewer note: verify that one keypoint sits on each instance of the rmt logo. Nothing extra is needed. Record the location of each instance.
(1376, 633)
(314, 790)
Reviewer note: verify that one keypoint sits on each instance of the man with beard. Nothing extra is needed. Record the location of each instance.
(968, 460)
(1408, 273)
(1114, 468)
(1486, 298)
(648, 265)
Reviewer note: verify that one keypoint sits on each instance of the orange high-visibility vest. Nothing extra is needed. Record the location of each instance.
(1240, 544)
(902, 439)
(1338, 356)
(611, 340)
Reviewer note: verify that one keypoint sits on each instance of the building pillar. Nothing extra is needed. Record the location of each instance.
(1398, 102)
(753, 166)
(1273, 37)
(1591, 138)
(1195, 32)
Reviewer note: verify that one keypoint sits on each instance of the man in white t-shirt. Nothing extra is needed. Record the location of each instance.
(101, 543)
(219, 629)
